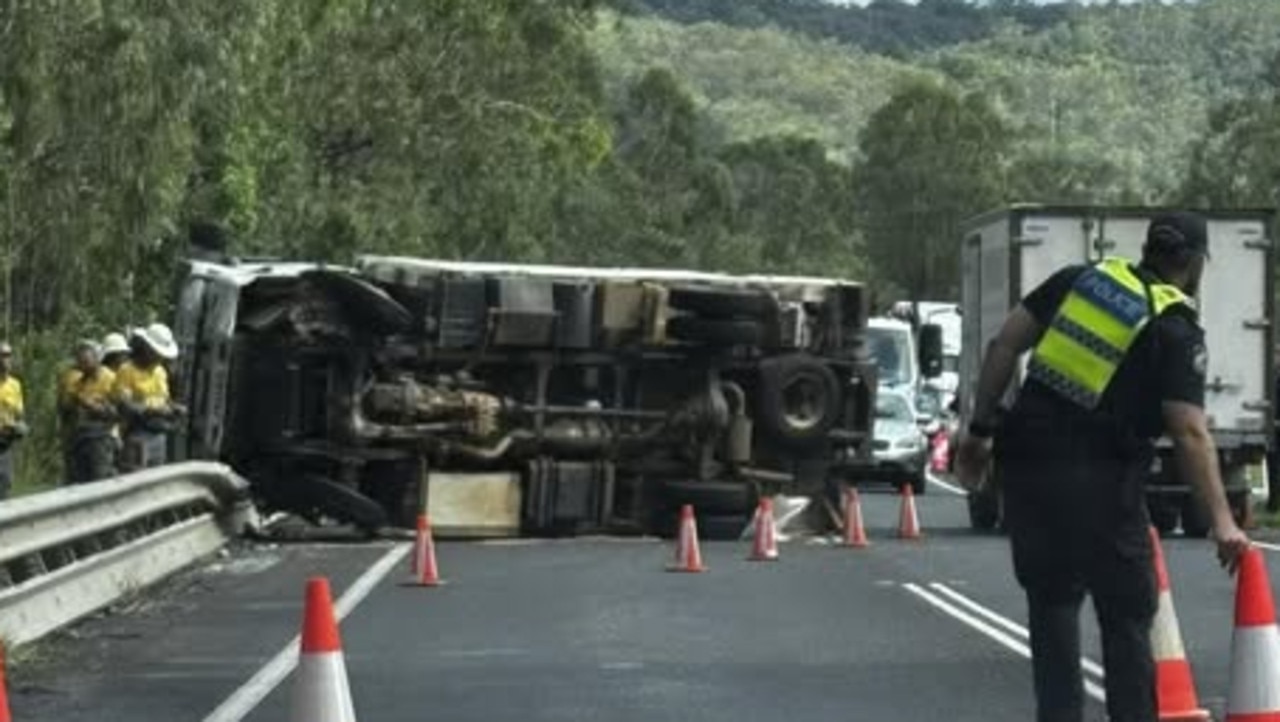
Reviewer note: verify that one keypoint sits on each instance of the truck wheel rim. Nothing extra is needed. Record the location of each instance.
(803, 403)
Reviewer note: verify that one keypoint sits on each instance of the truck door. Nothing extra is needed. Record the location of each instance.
(1047, 243)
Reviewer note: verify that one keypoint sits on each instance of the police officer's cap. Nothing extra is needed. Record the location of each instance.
(1178, 231)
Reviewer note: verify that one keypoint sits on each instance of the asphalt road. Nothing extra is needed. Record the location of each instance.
(593, 629)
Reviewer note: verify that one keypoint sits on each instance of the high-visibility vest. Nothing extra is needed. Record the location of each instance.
(1096, 325)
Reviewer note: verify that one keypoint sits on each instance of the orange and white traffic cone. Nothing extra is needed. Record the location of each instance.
(1175, 687)
(4, 694)
(908, 520)
(854, 533)
(1254, 694)
(320, 689)
(765, 546)
(688, 555)
(426, 573)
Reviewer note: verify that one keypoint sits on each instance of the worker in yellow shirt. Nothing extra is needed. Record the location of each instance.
(13, 425)
(142, 394)
(115, 351)
(88, 412)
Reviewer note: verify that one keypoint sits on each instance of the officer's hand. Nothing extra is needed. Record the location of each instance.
(972, 456)
(1232, 544)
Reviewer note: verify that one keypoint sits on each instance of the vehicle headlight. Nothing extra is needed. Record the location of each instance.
(907, 443)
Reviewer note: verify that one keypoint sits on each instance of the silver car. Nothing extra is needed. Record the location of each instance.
(901, 449)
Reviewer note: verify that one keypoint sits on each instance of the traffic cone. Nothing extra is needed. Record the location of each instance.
(908, 520)
(320, 690)
(425, 571)
(4, 695)
(1255, 646)
(765, 546)
(688, 555)
(854, 533)
(1175, 688)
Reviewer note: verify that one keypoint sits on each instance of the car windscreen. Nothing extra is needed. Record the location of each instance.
(893, 406)
(929, 402)
(891, 349)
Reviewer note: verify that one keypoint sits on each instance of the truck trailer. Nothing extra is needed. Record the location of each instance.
(1007, 253)
(514, 399)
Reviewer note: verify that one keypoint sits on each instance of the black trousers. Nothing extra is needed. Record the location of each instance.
(6, 473)
(1078, 525)
(91, 457)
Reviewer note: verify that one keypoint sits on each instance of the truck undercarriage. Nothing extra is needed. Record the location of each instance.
(605, 403)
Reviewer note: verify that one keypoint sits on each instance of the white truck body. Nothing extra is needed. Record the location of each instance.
(1008, 253)
(893, 349)
(947, 316)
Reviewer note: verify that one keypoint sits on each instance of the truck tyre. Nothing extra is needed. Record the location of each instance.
(312, 496)
(919, 484)
(709, 497)
(717, 527)
(1195, 518)
(1163, 512)
(719, 303)
(704, 331)
(799, 399)
(1239, 502)
(984, 509)
(394, 486)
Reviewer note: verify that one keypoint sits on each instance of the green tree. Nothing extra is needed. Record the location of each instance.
(794, 210)
(929, 158)
(1237, 162)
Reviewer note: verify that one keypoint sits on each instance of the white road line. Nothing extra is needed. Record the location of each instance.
(250, 695)
(1265, 545)
(1014, 645)
(1089, 665)
(958, 491)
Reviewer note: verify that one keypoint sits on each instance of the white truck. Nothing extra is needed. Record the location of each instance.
(1007, 253)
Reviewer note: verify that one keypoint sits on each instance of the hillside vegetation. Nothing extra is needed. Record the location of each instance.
(1110, 99)
(887, 27)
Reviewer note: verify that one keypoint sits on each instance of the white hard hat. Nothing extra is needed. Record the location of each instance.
(160, 339)
(114, 343)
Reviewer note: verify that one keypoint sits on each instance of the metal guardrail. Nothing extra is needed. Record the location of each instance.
(69, 552)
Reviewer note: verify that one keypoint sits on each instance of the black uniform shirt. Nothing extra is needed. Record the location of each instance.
(1166, 363)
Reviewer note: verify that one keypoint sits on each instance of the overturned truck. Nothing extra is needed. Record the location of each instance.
(522, 399)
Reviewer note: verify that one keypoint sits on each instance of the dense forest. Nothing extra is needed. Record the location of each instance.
(788, 136)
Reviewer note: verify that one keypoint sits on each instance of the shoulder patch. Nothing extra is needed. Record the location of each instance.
(1200, 359)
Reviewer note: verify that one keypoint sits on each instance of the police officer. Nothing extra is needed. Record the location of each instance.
(1117, 359)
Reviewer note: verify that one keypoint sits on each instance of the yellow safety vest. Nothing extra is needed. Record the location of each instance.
(11, 403)
(1093, 329)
